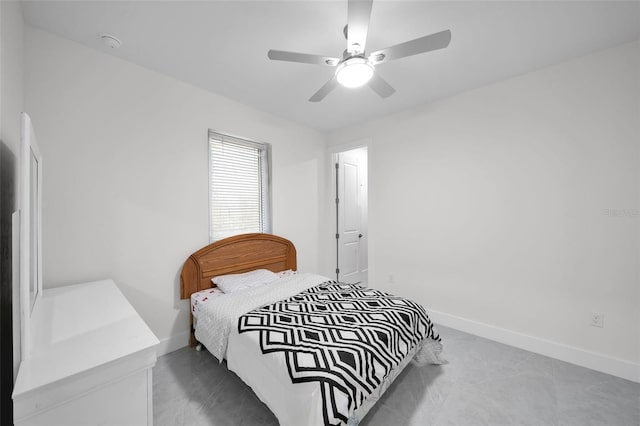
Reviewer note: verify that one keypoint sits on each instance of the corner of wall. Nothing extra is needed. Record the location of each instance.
(11, 105)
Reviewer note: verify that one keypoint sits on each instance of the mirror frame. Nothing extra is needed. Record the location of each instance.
(29, 151)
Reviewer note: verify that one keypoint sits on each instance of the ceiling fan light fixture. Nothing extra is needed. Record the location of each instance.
(354, 72)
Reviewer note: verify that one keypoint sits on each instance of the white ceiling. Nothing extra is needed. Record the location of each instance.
(222, 46)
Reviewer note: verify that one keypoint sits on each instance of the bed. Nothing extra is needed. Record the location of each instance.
(315, 351)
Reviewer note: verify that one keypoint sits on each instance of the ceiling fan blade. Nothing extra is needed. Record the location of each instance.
(305, 58)
(324, 90)
(359, 13)
(380, 86)
(420, 45)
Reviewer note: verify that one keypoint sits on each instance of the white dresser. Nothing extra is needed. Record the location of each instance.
(90, 362)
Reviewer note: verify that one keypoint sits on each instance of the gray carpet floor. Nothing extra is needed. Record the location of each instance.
(483, 383)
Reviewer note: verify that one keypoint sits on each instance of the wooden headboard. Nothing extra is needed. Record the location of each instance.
(235, 255)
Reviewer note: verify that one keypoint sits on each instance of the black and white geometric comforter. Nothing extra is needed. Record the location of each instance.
(345, 337)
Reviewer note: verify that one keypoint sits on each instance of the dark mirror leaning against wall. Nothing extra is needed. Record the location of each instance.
(7, 207)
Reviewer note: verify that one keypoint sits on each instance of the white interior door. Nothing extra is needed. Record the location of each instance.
(351, 214)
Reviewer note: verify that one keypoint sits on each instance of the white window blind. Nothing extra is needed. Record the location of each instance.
(239, 189)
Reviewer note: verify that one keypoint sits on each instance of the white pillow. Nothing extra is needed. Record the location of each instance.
(234, 282)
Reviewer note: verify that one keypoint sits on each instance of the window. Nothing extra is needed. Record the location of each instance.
(239, 186)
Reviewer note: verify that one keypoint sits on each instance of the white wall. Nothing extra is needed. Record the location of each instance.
(11, 72)
(498, 206)
(11, 105)
(125, 174)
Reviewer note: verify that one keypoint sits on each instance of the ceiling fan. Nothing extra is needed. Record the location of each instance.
(356, 68)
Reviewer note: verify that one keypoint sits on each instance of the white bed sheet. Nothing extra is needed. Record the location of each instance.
(201, 298)
(267, 374)
(220, 315)
(301, 403)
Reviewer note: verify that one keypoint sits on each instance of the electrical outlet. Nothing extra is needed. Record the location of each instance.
(597, 319)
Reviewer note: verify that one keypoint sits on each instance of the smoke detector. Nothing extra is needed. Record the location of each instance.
(110, 41)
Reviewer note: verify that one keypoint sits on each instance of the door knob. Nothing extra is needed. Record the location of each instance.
(360, 235)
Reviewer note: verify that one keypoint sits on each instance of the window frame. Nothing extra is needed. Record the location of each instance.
(265, 148)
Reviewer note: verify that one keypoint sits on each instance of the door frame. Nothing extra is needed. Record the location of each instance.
(333, 151)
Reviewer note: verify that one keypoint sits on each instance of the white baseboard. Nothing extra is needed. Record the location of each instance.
(594, 361)
(173, 343)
